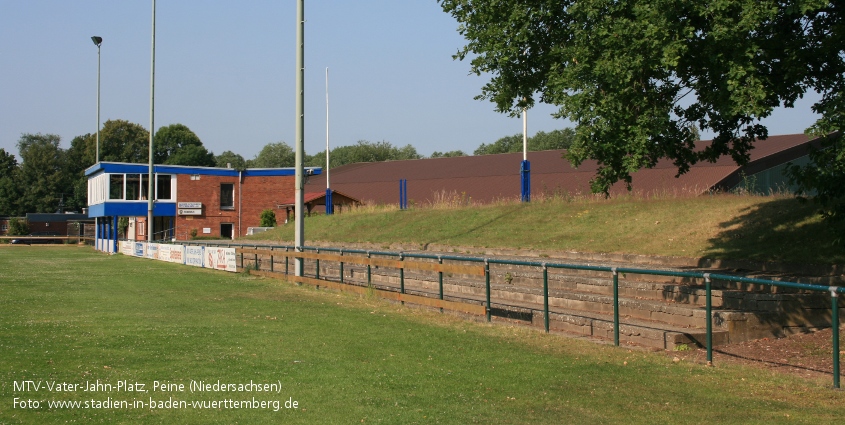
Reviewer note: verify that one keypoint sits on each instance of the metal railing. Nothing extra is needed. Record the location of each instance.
(291, 251)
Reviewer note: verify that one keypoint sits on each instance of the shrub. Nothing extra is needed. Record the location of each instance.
(18, 227)
(268, 218)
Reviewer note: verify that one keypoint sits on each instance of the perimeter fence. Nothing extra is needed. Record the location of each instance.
(249, 257)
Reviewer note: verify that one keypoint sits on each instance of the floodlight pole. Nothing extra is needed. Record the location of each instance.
(150, 186)
(329, 200)
(300, 134)
(98, 41)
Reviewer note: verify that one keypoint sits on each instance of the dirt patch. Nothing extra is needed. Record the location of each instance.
(808, 355)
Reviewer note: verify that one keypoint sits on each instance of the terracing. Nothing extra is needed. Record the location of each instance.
(654, 310)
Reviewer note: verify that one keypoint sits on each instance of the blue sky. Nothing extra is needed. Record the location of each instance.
(226, 69)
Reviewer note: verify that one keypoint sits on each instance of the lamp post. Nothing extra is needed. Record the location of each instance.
(150, 186)
(329, 201)
(98, 41)
(299, 196)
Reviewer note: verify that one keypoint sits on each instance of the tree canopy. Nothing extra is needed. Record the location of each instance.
(274, 155)
(364, 151)
(638, 76)
(542, 141)
(176, 144)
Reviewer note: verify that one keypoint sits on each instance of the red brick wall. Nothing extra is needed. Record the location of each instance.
(252, 196)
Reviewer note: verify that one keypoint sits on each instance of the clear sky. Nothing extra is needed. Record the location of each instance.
(226, 69)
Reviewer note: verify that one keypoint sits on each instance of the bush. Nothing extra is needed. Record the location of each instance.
(268, 218)
(18, 227)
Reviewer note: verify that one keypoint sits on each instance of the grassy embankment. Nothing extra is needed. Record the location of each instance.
(72, 315)
(771, 228)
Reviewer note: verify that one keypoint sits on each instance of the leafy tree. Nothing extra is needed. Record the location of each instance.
(230, 158)
(636, 75)
(503, 145)
(824, 177)
(268, 218)
(17, 227)
(122, 141)
(542, 141)
(41, 176)
(176, 144)
(274, 155)
(364, 151)
(450, 154)
(8, 164)
(9, 189)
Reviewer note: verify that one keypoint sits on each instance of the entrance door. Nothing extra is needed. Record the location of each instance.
(226, 230)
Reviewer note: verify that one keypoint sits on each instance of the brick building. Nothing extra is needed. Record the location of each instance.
(189, 201)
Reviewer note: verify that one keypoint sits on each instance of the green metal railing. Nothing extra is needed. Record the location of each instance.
(834, 291)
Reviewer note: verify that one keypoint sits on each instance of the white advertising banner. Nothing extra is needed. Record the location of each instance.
(140, 249)
(221, 259)
(152, 250)
(176, 254)
(125, 247)
(194, 255)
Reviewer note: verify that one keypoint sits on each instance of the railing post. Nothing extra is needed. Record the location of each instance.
(317, 273)
(546, 297)
(341, 267)
(369, 271)
(287, 259)
(402, 276)
(272, 260)
(257, 266)
(834, 300)
(709, 308)
(615, 306)
(440, 280)
(487, 286)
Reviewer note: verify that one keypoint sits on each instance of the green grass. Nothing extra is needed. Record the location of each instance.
(73, 315)
(758, 228)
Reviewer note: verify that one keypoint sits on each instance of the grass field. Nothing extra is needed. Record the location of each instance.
(761, 228)
(70, 315)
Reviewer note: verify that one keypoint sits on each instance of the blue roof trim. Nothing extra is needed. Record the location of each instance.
(131, 209)
(122, 167)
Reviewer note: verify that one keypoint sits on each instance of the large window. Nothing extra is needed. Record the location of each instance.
(227, 195)
(133, 186)
(116, 186)
(163, 188)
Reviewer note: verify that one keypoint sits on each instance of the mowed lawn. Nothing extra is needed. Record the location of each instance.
(70, 315)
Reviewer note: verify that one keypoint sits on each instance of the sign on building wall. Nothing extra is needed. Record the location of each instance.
(189, 211)
(191, 205)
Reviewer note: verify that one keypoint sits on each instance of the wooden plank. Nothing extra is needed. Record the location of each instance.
(476, 309)
(475, 270)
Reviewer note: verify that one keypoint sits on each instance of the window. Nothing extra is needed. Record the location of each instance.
(133, 187)
(227, 196)
(163, 189)
(116, 186)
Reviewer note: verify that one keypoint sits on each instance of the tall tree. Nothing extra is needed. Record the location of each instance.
(634, 74)
(274, 155)
(122, 141)
(176, 144)
(364, 151)
(9, 188)
(542, 141)
(42, 180)
(229, 158)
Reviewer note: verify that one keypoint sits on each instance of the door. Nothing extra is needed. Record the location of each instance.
(226, 230)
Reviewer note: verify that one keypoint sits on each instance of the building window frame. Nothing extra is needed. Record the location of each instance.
(227, 196)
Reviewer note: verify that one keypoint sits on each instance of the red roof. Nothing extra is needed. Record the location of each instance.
(486, 178)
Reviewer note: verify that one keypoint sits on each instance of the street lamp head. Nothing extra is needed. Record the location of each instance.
(97, 40)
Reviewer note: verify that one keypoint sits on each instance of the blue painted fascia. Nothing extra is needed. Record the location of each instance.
(131, 209)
